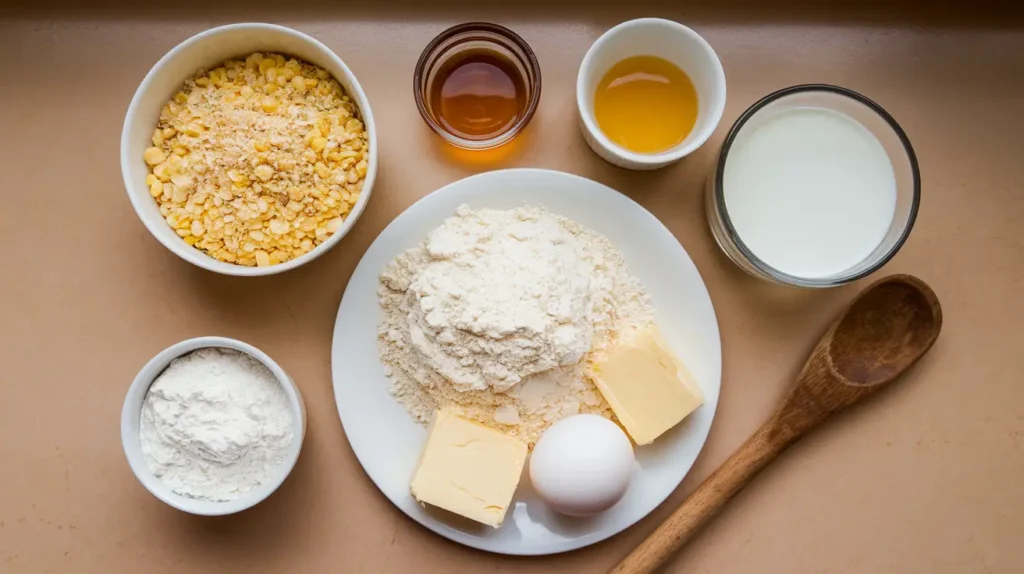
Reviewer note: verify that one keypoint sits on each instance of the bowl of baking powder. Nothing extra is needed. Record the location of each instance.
(212, 426)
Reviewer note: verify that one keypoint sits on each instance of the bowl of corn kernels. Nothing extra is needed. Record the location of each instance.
(249, 149)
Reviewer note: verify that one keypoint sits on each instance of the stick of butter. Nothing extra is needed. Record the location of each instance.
(648, 388)
(468, 469)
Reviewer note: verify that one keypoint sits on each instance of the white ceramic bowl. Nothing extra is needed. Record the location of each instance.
(208, 49)
(132, 410)
(668, 40)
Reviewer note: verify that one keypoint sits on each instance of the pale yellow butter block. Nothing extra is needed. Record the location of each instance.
(469, 469)
(648, 388)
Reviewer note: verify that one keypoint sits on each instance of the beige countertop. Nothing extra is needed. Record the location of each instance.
(928, 478)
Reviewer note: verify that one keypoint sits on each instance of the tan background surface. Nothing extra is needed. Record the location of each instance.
(929, 478)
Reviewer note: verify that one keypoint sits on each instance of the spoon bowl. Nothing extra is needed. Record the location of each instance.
(862, 350)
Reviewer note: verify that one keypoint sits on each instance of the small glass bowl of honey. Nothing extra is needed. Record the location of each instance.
(477, 85)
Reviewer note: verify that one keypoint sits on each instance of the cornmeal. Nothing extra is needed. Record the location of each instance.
(648, 388)
(469, 469)
(257, 162)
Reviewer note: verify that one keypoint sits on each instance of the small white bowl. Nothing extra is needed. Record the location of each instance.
(208, 49)
(668, 40)
(132, 410)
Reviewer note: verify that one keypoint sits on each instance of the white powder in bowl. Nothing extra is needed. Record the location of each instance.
(215, 425)
(495, 314)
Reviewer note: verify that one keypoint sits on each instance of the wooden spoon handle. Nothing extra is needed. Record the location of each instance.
(759, 450)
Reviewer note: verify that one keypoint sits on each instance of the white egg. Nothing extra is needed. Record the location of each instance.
(581, 465)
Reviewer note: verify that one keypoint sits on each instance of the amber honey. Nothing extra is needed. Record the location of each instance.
(478, 95)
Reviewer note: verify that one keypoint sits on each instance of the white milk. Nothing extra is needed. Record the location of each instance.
(810, 191)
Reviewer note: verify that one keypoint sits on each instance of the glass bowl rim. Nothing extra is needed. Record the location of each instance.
(531, 62)
(719, 193)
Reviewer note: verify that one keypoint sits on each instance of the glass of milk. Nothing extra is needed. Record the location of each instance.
(815, 186)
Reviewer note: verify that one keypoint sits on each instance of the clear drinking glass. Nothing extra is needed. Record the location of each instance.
(871, 116)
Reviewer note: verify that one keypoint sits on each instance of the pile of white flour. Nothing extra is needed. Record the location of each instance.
(215, 425)
(494, 314)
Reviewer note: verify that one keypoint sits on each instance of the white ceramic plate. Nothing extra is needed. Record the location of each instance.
(386, 440)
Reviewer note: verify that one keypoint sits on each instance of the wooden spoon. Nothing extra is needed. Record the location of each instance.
(883, 332)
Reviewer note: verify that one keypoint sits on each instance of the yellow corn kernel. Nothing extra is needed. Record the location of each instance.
(180, 98)
(281, 80)
(262, 258)
(279, 59)
(353, 126)
(318, 144)
(334, 225)
(169, 133)
(311, 82)
(182, 180)
(156, 189)
(180, 150)
(203, 81)
(178, 195)
(322, 170)
(191, 241)
(360, 169)
(352, 176)
(150, 178)
(162, 171)
(158, 138)
(182, 232)
(218, 77)
(261, 146)
(278, 226)
(154, 156)
(253, 60)
(264, 172)
(322, 73)
(299, 84)
(270, 105)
